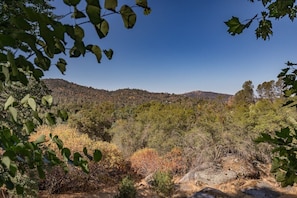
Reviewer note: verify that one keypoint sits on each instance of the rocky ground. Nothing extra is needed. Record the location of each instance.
(232, 177)
(251, 188)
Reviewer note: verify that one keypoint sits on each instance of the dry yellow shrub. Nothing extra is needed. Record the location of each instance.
(75, 141)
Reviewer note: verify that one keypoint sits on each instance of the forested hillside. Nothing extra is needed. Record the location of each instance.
(136, 119)
(175, 134)
(64, 91)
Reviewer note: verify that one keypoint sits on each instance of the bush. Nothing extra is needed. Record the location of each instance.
(145, 161)
(126, 189)
(108, 172)
(175, 162)
(162, 183)
(75, 141)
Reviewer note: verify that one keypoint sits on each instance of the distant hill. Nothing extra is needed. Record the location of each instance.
(207, 95)
(68, 92)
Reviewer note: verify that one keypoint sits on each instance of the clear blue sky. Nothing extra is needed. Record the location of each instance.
(184, 46)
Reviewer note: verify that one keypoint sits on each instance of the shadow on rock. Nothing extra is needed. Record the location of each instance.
(210, 193)
(261, 192)
(247, 193)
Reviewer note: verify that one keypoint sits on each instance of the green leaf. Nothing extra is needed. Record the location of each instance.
(58, 141)
(280, 8)
(141, 3)
(23, 78)
(78, 14)
(61, 65)
(70, 31)
(74, 52)
(264, 138)
(9, 185)
(11, 60)
(284, 133)
(50, 118)
(6, 73)
(67, 2)
(29, 126)
(32, 104)
(280, 176)
(36, 116)
(235, 27)
(40, 139)
(264, 29)
(47, 100)
(37, 74)
(13, 113)
(93, 13)
(290, 178)
(95, 50)
(66, 153)
(41, 172)
(6, 161)
(59, 30)
(25, 99)
(77, 159)
(74, 2)
(85, 150)
(19, 189)
(97, 155)
(9, 102)
(102, 29)
(108, 53)
(147, 11)
(28, 39)
(63, 115)
(85, 167)
(48, 36)
(94, 3)
(43, 62)
(13, 169)
(128, 16)
(78, 33)
(80, 46)
(7, 40)
(20, 22)
(110, 4)
(265, 2)
(11, 154)
(59, 47)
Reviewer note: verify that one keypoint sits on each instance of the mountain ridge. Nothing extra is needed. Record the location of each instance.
(65, 92)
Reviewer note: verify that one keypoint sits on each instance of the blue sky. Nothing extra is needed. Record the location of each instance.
(183, 46)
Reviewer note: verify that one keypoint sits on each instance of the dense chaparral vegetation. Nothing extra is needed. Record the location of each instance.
(131, 134)
(199, 129)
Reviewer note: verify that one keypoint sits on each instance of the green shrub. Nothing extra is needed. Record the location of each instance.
(126, 189)
(162, 183)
